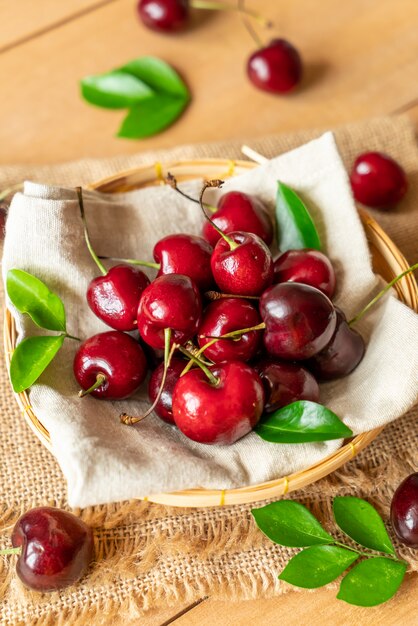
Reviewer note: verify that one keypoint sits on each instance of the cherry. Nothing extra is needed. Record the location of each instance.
(224, 316)
(185, 254)
(306, 266)
(243, 268)
(404, 511)
(300, 320)
(285, 383)
(163, 408)
(56, 548)
(220, 411)
(377, 180)
(164, 15)
(276, 68)
(171, 301)
(240, 211)
(110, 365)
(341, 355)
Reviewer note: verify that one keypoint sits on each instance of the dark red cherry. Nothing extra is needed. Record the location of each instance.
(222, 413)
(164, 406)
(300, 320)
(377, 180)
(277, 68)
(246, 270)
(115, 356)
(341, 355)
(114, 298)
(170, 301)
(307, 266)
(224, 316)
(404, 511)
(57, 548)
(185, 254)
(240, 211)
(285, 383)
(164, 15)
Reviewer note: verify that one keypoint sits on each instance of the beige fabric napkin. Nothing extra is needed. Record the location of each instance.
(104, 461)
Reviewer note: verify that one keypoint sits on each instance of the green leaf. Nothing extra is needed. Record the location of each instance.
(151, 116)
(30, 295)
(317, 566)
(372, 582)
(302, 422)
(360, 521)
(158, 75)
(295, 225)
(289, 523)
(114, 90)
(30, 358)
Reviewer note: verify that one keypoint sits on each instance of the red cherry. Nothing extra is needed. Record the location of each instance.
(222, 413)
(377, 180)
(224, 316)
(245, 270)
(164, 15)
(300, 320)
(115, 356)
(164, 407)
(57, 548)
(277, 68)
(240, 211)
(285, 383)
(188, 255)
(307, 266)
(114, 298)
(404, 511)
(170, 301)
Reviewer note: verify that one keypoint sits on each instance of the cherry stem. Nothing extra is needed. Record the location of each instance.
(235, 334)
(9, 190)
(155, 266)
(190, 347)
(172, 182)
(100, 379)
(86, 233)
(217, 295)
(11, 551)
(382, 293)
(215, 381)
(216, 183)
(130, 420)
(249, 26)
(222, 6)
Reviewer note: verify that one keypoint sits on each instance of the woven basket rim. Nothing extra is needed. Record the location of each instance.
(154, 174)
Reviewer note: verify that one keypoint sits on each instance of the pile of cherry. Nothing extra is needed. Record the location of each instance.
(242, 334)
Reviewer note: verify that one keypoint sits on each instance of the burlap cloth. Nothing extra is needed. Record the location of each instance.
(150, 556)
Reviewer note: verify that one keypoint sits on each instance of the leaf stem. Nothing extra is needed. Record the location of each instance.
(11, 551)
(72, 337)
(86, 233)
(155, 266)
(215, 381)
(382, 293)
(100, 379)
(367, 554)
(172, 182)
(211, 5)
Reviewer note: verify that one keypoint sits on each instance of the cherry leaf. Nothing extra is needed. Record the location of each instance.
(30, 358)
(317, 566)
(296, 229)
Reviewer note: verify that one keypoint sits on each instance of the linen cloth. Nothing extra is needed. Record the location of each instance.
(105, 461)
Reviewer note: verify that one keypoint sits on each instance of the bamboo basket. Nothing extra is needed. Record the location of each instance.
(387, 261)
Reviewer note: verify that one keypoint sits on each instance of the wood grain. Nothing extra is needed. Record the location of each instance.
(361, 60)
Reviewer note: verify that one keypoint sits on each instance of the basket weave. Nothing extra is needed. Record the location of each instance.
(387, 261)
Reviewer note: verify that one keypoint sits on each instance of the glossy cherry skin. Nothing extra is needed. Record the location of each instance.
(247, 270)
(307, 266)
(114, 298)
(185, 254)
(300, 320)
(170, 301)
(285, 383)
(164, 15)
(224, 316)
(164, 406)
(219, 414)
(277, 68)
(57, 548)
(404, 511)
(377, 180)
(341, 355)
(240, 211)
(116, 355)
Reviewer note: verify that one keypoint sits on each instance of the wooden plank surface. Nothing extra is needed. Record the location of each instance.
(361, 60)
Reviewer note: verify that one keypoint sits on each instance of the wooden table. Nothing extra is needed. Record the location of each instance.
(361, 60)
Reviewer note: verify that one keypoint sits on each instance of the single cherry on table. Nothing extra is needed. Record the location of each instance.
(285, 383)
(276, 68)
(307, 266)
(377, 180)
